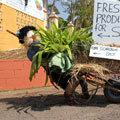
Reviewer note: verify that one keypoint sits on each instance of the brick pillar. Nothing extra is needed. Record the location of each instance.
(53, 18)
(71, 27)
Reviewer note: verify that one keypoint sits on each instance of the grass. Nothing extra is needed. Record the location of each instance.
(3, 90)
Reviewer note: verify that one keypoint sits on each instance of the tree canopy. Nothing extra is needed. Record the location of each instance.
(80, 12)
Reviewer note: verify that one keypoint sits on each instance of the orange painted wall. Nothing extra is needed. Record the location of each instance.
(13, 20)
(14, 74)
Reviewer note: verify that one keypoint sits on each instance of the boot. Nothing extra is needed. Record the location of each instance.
(70, 99)
(84, 89)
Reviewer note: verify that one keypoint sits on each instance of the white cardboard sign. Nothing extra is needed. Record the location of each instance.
(105, 52)
(106, 22)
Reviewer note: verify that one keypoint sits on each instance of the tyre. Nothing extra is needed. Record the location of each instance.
(111, 95)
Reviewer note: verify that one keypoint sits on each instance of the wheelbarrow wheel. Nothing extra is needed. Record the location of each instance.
(112, 96)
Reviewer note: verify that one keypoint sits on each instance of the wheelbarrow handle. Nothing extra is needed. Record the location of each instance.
(12, 33)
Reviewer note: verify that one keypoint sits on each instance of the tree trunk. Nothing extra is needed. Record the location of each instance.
(53, 5)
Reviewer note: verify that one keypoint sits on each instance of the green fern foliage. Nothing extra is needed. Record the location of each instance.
(56, 40)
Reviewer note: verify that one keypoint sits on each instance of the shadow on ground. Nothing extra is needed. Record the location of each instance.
(46, 102)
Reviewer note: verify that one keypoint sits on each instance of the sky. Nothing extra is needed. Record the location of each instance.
(60, 8)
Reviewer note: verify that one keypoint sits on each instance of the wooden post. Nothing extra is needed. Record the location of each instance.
(45, 19)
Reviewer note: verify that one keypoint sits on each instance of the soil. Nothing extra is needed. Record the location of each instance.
(47, 103)
(13, 54)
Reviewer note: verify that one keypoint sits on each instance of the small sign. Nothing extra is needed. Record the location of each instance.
(106, 22)
(115, 77)
(105, 52)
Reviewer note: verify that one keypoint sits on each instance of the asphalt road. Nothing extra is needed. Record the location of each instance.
(47, 103)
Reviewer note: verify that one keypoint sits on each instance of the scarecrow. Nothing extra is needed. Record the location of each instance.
(58, 64)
